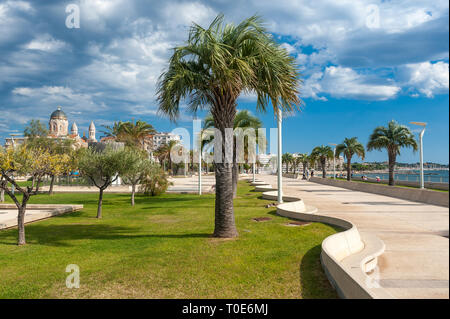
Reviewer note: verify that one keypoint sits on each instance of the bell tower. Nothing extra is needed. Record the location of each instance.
(91, 137)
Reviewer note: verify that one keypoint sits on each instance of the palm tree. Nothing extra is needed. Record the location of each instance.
(244, 120)
(304, 160)
(211, 70)
(163, 152)
(322, 154)
(286, 158)
(350, 147)
(135, 133)
(393, 138)
(114, 130)
(131, 133)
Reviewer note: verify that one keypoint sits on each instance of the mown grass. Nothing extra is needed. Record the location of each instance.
(162, 248)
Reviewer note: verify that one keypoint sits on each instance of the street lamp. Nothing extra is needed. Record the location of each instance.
(334, 159)
(280, 167)
(423, 124)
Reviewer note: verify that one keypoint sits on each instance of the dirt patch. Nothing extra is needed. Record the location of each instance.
(261, 219)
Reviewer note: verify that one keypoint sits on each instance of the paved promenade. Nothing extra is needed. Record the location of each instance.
(416, 261)
(35, 212)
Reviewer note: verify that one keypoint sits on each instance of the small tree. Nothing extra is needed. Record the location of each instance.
(35, 129)
(137, 169)
(25, 161)
(103, 167)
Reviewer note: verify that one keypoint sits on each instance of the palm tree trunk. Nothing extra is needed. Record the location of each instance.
(324, 169)
(224, 224)
(349, 169)
(100, 202)
(52, 182)
(392, 159)
(2, 196)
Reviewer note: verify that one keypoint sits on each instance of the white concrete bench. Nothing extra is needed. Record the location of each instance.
(347, 257)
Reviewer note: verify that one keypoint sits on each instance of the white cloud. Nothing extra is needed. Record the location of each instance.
(342, 82)
(427, 78)
(45, 42)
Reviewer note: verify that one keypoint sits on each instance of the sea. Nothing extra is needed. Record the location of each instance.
(438, 176)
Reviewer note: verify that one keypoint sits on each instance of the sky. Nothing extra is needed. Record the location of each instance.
(362, 63)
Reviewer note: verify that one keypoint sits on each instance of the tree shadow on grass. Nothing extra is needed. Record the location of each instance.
(67, 235)
(313, 281)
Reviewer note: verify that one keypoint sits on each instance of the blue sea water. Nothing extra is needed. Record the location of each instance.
(439, 176)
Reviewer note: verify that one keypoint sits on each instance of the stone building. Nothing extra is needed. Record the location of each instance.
(59, 128)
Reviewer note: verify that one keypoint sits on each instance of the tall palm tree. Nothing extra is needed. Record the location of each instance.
(322, 154)
(131, 133)
(287, 158)
(244, 119)
(350, 147)
(304, 160)
(393, 138)
(135, 133)
(211, 70)
(114, 130)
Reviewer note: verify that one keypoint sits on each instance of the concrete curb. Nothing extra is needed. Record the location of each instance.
(347, 257)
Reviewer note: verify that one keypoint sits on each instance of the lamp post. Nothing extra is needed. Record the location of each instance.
(423, 124)
(279, 160)
(334, 159)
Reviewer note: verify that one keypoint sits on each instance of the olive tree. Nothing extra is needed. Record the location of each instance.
(25, 161)
(103, 167)
(137, 169)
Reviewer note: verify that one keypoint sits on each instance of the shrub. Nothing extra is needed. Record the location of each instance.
(156, 182)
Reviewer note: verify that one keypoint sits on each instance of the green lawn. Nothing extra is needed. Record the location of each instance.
(162, 249)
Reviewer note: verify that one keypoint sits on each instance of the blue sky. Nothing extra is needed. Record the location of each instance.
(363, 63)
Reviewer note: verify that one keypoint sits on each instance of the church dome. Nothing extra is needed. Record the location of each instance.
(58, 114)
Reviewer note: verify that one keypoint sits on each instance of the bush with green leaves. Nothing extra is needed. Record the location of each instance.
(156, 181)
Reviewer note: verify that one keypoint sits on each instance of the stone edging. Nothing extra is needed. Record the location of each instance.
(347, 257)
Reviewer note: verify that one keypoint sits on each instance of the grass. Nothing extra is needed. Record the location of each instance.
(162, 248)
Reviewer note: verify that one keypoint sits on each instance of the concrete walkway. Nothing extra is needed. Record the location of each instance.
(190, 184)
(416, 261)
(34, 212)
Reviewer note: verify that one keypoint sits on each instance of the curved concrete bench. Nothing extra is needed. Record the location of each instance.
(347, 257)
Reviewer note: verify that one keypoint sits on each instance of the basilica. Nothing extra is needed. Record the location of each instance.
(59, 128)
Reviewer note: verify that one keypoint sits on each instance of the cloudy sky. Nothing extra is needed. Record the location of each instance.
(363, 63)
